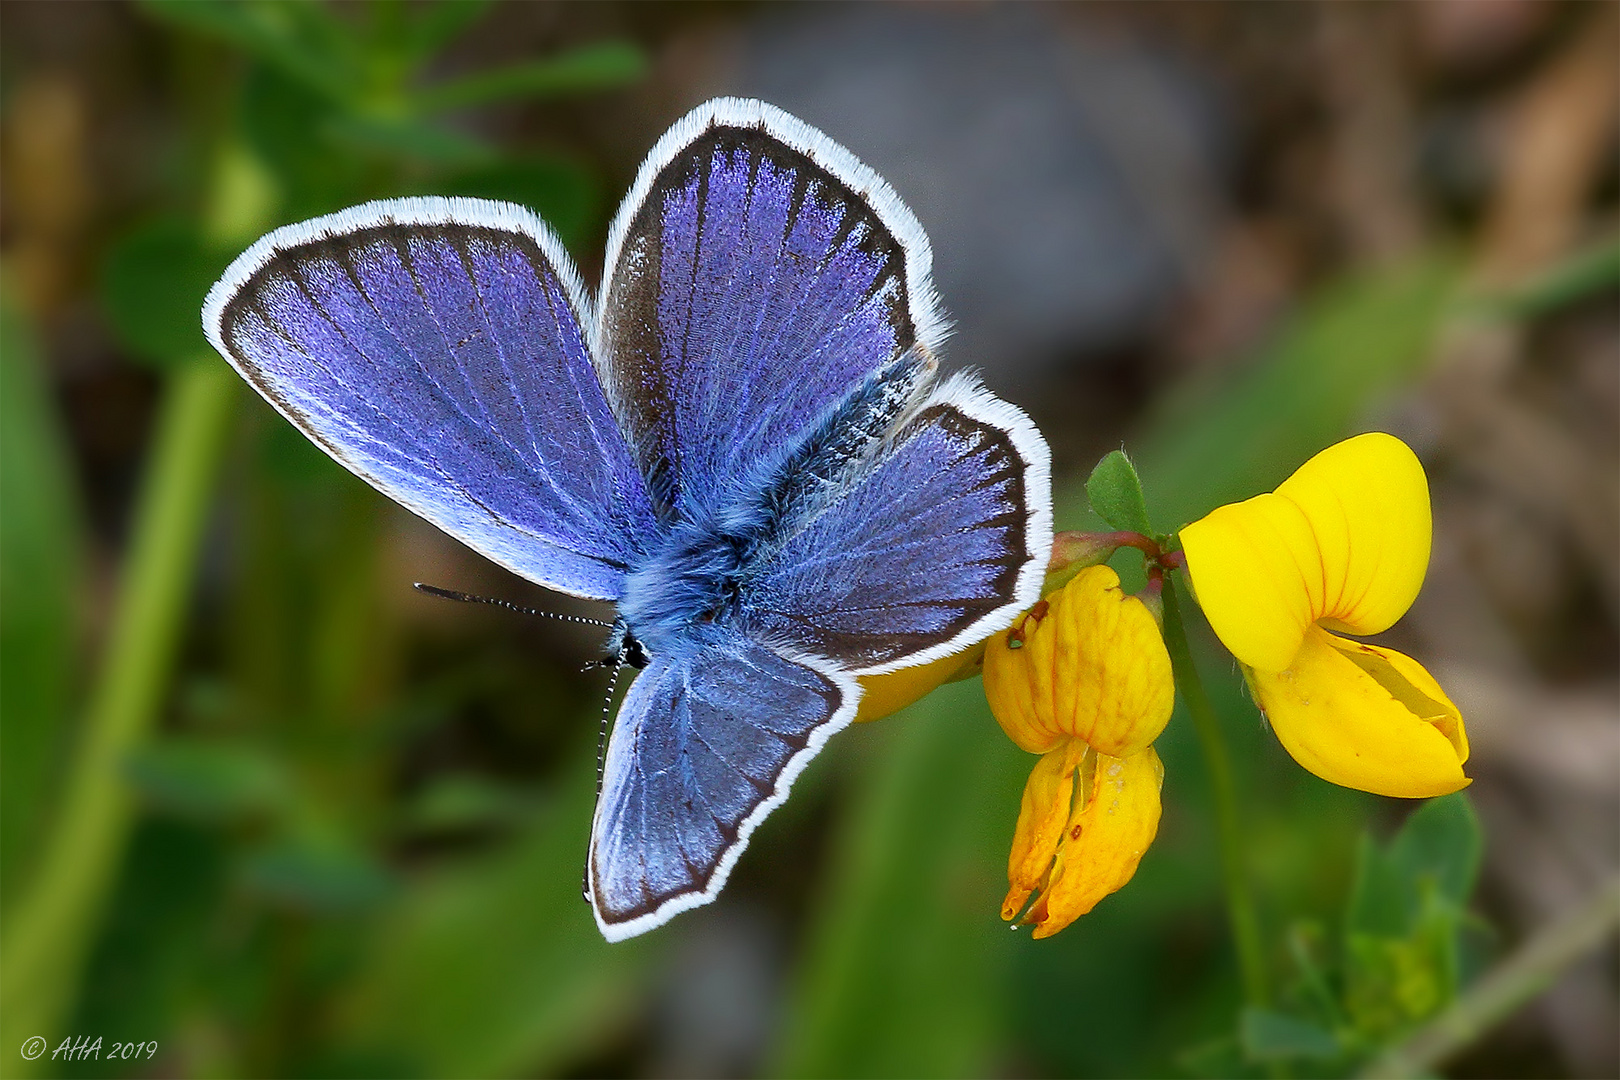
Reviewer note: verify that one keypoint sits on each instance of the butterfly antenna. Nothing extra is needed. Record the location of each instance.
(601, 763)
(468, 598)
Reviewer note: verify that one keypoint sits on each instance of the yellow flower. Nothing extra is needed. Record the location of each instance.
(1084, 680)
(1091, 665)
(1343, 544)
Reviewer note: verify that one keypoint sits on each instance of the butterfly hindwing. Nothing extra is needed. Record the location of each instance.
(435, 347)
(937, 542)
(704, 747)
(755, 274)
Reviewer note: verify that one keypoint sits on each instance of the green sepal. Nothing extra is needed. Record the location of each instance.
(1115, 492)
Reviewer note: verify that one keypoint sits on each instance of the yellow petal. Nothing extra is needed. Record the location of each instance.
(1092, 665)
(1010, 682)
(1367, 501)
(1257, 572)
(1365, 717)
(1105, 837)
(1344, 540)
(885, 695)
(1048, 796)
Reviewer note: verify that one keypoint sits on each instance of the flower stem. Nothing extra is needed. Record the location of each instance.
(1239, 900)
(51, 927)
(49, 933)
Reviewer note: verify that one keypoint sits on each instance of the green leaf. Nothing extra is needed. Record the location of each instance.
(599, 66)
(41, 578)
(1587, 273)
(1275, 1036)
(408, 138)
(318, 874)
(440, 22)
(1115, 493)
(1406, 912)
(153, 283)
(466, 801)
(1437, 852)
(1382, 902)
(304, 40)
(1221, 1056)
(291, 130)
(1391, 983)
(1440, 846)
(208, 780)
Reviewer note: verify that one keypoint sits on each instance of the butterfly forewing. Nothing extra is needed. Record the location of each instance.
(756, 274)
(435, 348)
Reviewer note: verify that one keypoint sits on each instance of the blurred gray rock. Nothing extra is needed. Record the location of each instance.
(716, 1010)
(1067, 181)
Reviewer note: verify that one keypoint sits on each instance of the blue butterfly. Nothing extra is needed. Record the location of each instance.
(743, 444)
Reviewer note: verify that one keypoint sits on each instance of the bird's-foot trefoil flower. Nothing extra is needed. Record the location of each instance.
(1084, 680)
(1343, 544)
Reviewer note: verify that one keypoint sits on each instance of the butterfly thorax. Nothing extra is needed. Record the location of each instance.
(693, 582)
(696, 578)
(623, 648)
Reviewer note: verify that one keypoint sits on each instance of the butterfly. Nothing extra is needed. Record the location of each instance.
(742, 441)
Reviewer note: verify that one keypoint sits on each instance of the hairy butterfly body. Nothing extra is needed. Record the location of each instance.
(742, 444)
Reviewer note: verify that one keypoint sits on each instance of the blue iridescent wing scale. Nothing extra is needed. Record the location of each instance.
(437, 348)
(755, 274)
(704, 747)
(935, 542)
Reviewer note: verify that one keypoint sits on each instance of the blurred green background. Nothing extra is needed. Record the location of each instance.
(267, 807)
